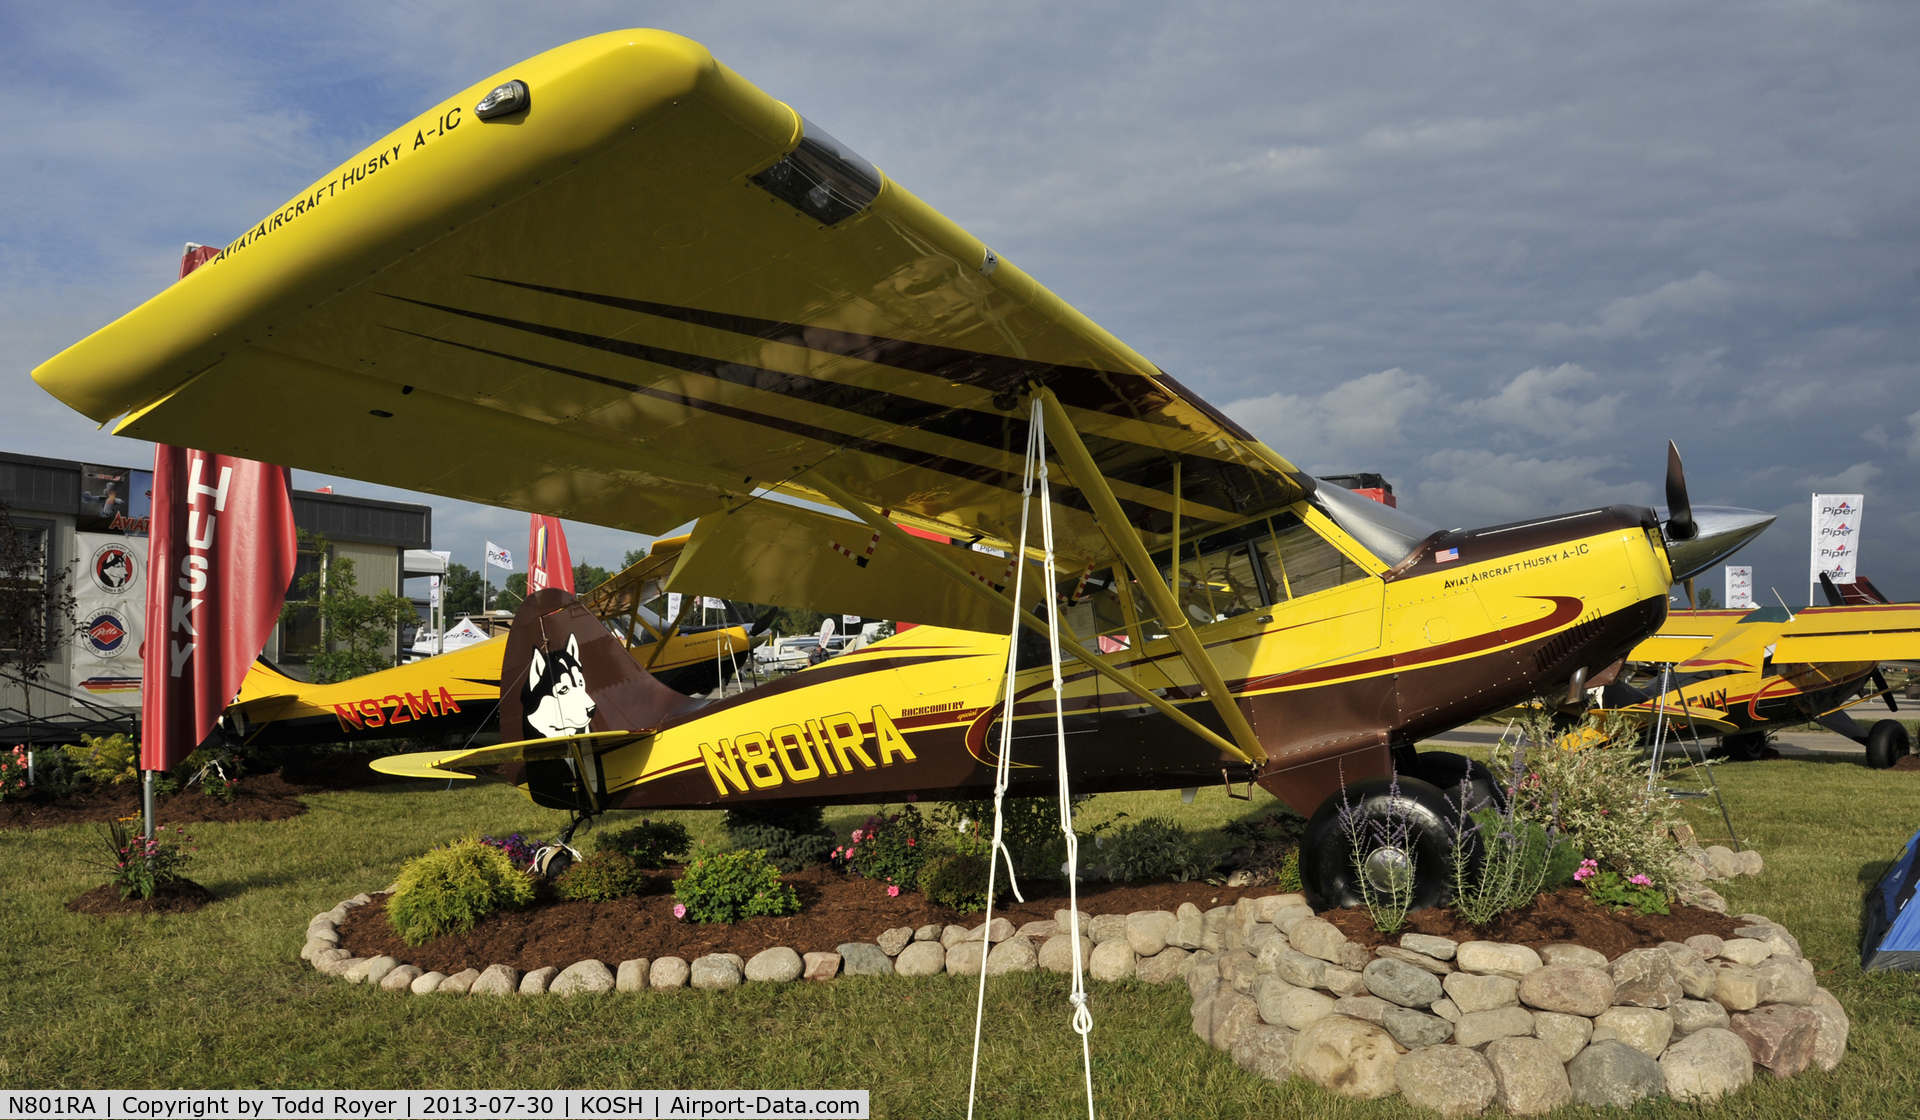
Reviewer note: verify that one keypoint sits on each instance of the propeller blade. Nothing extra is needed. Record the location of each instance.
(1692, 605)
(1834, 598)
(760, 624)
(1680, 524)
(1880, 682)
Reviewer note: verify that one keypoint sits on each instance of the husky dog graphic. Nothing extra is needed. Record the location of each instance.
(554, 699)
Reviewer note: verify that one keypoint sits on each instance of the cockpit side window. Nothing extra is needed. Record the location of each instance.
(1296, 561)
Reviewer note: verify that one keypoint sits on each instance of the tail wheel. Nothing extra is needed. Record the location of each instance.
(1445, 771)
(1745, 746)
(1405, 832)
(1886, 743)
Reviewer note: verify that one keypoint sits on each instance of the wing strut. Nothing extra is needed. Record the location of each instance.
(933, 556)
(1113, 523)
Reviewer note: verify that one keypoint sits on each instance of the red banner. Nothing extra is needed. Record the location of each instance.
(548, 564)
(220, 555)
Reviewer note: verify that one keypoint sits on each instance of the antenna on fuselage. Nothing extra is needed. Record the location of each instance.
(1783, 603)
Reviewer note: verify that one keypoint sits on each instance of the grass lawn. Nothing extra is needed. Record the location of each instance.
(217, 998)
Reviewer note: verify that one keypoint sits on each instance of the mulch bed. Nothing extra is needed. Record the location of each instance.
(837, 908)
(182, 896)
(1567, 914)
(1907, 762)
(260, 797)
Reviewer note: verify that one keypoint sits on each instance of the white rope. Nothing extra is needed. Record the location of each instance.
(1035, 467)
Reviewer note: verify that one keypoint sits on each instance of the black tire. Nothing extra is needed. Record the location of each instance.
(1745, 746)
(1445, 770)
(1328, 876)
(1887, 741)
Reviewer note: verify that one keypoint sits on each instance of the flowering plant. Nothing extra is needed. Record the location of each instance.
(140, 866)
(1590, 783)
(13, 773)
(888, 848)
(516, 847)
(1610, 888)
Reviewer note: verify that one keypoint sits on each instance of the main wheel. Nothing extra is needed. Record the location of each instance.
(1744, 746)
(1886, 743)
(1445, 771)
(1405, 836)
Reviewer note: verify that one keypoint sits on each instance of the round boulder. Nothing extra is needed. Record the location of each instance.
(1402, 983)
(922, 958)
(1530, 1077)
(1611, 1073)
(1570, 989)
(1347, 1057)
(1706, 1065)
(1451, 1080)
(778, 965)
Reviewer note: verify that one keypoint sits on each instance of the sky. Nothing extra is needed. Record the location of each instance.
(1498, 252)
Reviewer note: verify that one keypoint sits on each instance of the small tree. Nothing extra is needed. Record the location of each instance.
(356, 631)
(460, 592)
(36, 607)
(1705, 600)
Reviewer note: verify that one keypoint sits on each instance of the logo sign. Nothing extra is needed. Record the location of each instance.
(1835, 546)
(115, 568)
(106, 633)
(1740, 586)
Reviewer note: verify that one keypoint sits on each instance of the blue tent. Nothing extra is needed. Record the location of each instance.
(1892, 936)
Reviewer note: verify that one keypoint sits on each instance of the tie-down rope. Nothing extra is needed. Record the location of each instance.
(1035, 469)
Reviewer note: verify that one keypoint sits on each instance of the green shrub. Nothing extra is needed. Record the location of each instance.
(729, 886)
(1153, 848)
(602, 877)
(1266, 844)
(1288, 877)
(648, 843)
(794, 837)
(892, 848)
(106, 758)
(958, 881)
(448, 889)
(1029, 827)
(1591, 783)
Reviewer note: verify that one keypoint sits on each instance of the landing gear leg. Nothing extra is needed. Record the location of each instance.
(552, 861)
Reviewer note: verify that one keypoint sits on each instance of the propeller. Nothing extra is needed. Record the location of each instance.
(1680, 523)
(1834, 598)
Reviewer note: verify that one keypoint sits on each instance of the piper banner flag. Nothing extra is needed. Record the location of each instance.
(1740, 586)
(220, 556)
(548, 563)
(1836, 537)
(499, 557)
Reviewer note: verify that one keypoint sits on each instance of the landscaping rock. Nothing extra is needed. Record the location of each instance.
(1344, 982)
(1477, 1028)
(1189, 927)
(894, 940)
(325, 960)
(1299, 969)
(1039, 931)
(1064, 919)
(426, 983)
(582, 978)
(1736, 987)
(1646, 1029)
(952, 935)
(1745, 950)
(316, 946)
(779, 965)
(1317, 937)
(1749, 862)
(355, 970)
(1494, 958)
(1446, 1009)
(1203, 971)
(1300, 1008)
(1265, 1050)
(1571, 989)
(1407, 956)
(1706, 944)
(1266, 907)
(1706, 1065)
(1779, 1037)
(459, 983)
(377, 969)
(1702, 898)
(1691, 1015)
(966, 958)
(1413, 1029)
(1481, 993)
(1263, 937)
(1720, 859)
(1266, 996)
(1830, 1042)
(1612, 1073)
(1232, 1015)
(1112, 960)
(669, 973)
(1163, 967)
(1016, 954)
(717, 972)
(1776, 937)
(996, 931)
(1238, 969)
(1451, 1080)
(1290, 914)
(1439, 948)
(497, 980)
(928, 932)
(863, 958)
(1056, 955)
(1566, 1034)
(1367, 1009)
(1528, 1077)
(1574, 954)
(400, 979)
(821, 967)
(739, 961)
(1646, 978)
(1691, 969)
(1785, 980)
(534, 983)
(922, 958)
(631, 976)
(1401, 983)
(1107, 927)
(1347, 1057)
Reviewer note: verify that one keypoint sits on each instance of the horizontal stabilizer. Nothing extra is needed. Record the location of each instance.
(464, 763)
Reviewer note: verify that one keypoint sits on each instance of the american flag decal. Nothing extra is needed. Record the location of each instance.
(1443, 555)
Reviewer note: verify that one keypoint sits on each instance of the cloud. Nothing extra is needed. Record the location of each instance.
(1470, 487)
(1540, 401)
(1639, 315)
(1344, 425)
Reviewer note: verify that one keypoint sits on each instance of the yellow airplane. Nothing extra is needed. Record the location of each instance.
(619, 284)
(1739, 671)
(456, 694)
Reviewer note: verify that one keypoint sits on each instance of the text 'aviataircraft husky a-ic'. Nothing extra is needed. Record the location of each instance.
(620, 284)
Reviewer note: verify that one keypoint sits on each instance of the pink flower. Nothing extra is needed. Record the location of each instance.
(893, 892)
(1641, 881)
(680, 911)
(910, 841)
(857, 837)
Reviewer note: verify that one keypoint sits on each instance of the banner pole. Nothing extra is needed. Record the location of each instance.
(146, 807)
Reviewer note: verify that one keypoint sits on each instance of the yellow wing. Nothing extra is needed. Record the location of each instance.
(1861, 633)
(647, 295)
